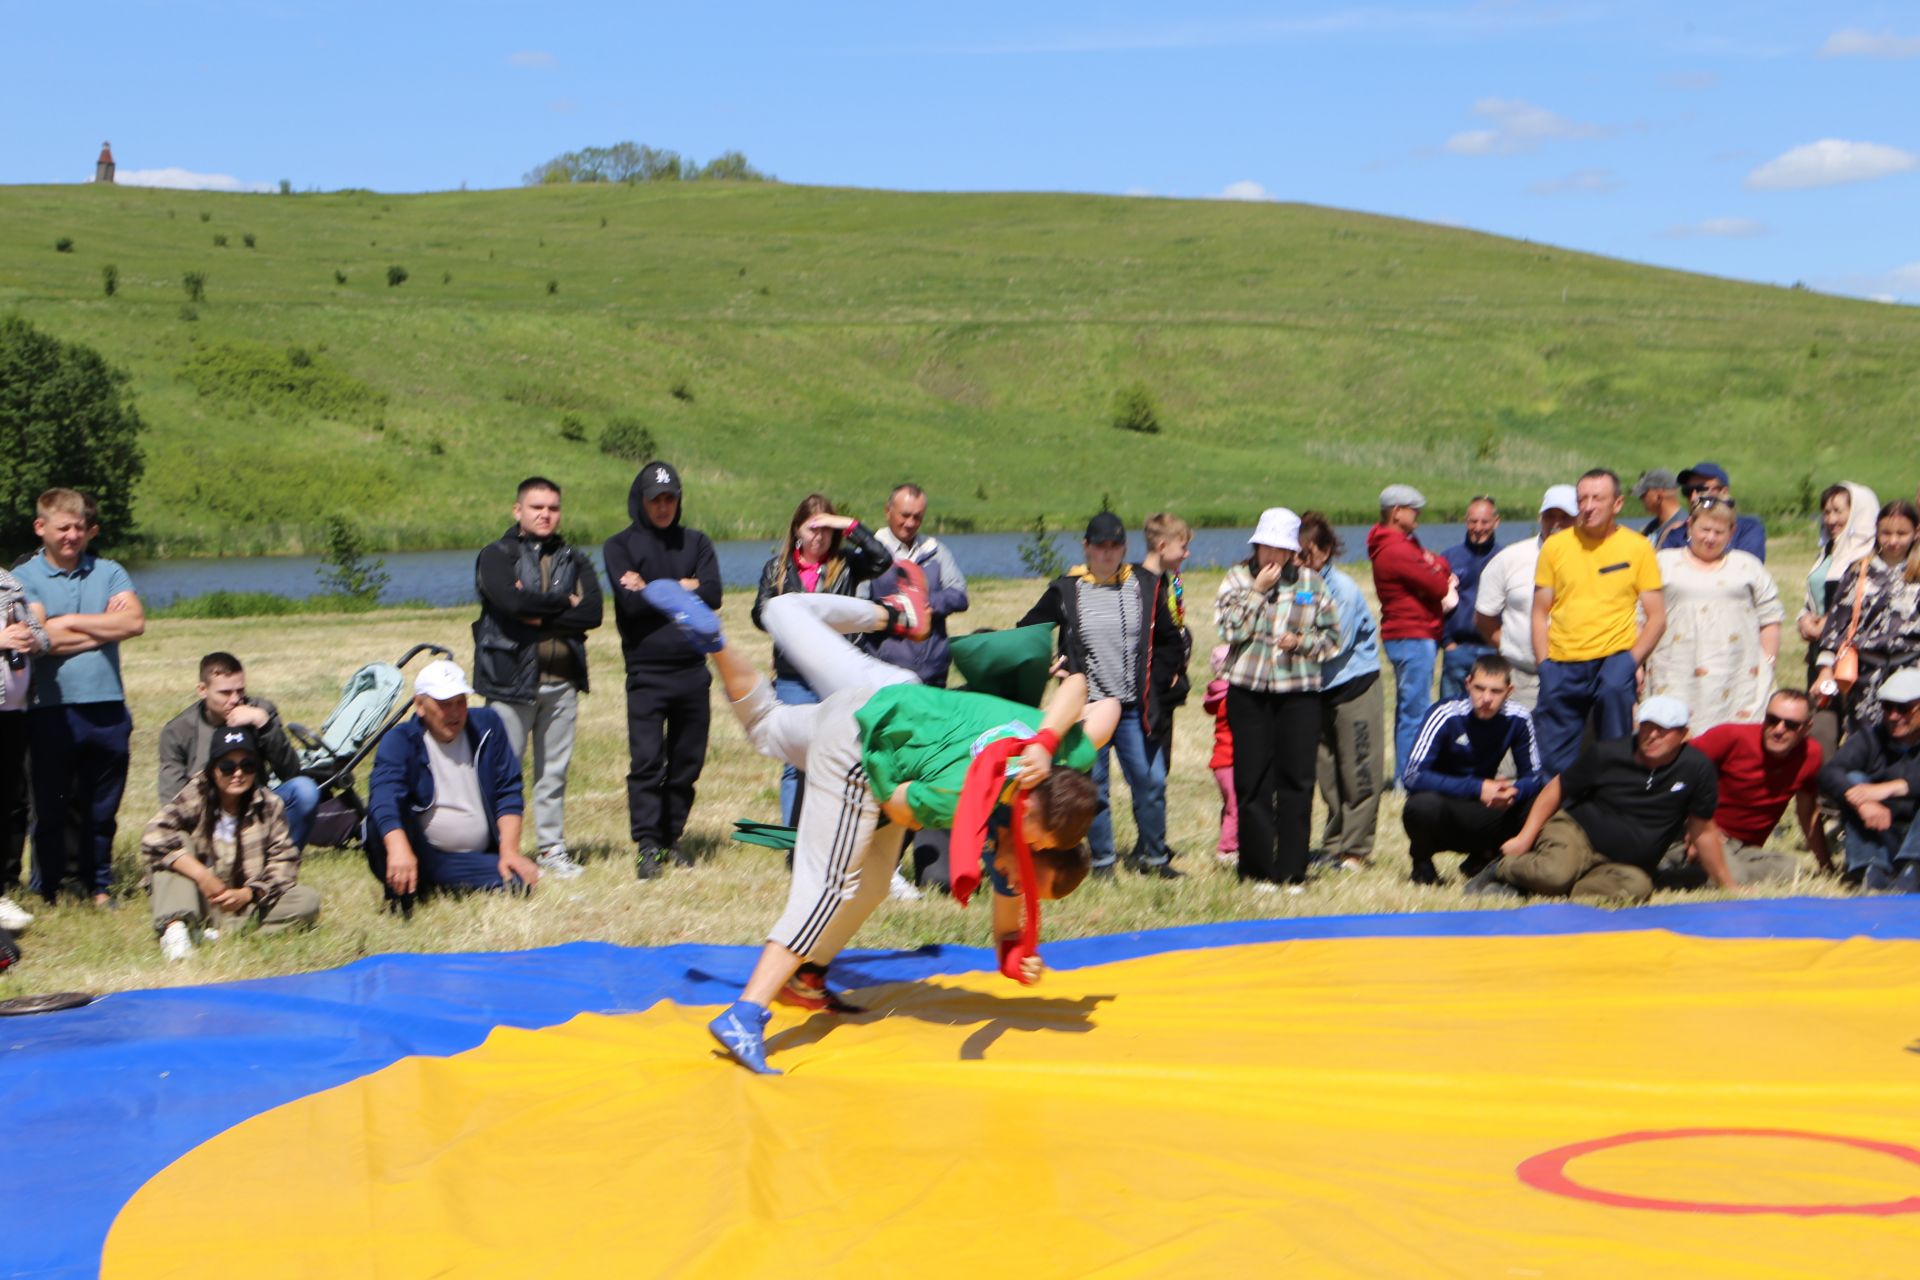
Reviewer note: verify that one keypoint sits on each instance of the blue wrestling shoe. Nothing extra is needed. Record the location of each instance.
(741, 1030)
(697, 623)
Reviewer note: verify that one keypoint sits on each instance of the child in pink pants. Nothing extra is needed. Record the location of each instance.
(1222, 761)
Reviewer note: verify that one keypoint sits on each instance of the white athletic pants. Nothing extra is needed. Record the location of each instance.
(844, 854)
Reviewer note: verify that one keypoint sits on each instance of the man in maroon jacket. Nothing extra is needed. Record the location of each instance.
(1413, 584)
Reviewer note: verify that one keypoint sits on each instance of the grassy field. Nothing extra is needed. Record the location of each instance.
(777, 338)
(730, 897)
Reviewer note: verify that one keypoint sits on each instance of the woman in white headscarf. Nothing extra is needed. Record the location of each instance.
(1847, 512)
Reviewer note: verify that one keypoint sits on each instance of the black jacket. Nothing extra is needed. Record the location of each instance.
(647, 637)
(1163, 645)
(505, 648)
(1872, 752)
(863, 559)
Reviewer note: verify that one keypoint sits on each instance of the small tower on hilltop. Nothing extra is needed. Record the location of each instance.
(103, 167)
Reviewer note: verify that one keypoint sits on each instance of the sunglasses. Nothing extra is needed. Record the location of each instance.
(1900, 708)
(1706, 502)
(231, 767)
(1796, 725)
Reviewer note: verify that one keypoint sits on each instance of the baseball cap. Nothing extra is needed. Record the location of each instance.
(1278, 528)
(1664, 710)
(657, 478)
(1106, 527)
(1658, 478)
(1902, 686)
(1705, 471)
(228, 741)
(1401, 495)
(1562, 498)
(441, 679)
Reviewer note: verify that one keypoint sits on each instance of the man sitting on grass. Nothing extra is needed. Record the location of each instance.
(444, 801)
(186, 742)
(884, 755)
(1626, 800)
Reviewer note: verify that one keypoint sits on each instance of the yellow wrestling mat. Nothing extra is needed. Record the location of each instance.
(1382, 1107)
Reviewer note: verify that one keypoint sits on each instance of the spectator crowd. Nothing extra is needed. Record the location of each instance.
(1593, 709)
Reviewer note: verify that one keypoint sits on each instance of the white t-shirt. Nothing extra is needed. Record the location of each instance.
(457, 822)
(1506, 593)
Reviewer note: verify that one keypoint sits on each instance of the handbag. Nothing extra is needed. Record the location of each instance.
(1846, 663)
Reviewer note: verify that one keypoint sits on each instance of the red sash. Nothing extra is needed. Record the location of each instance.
(979, 793)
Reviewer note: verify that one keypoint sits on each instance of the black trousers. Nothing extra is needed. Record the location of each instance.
(13, 797)
(79, 753)
(667, 718)
(1438, 823)
(1275, 738)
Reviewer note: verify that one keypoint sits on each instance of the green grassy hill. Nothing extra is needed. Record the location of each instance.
(776, 339)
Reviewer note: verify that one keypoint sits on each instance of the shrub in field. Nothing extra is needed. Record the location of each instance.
(110, 279)
(247, 239)
(681, 391)
(289, 382)
(628, 438)
(1134, 410)
(396, 276)
(219, 240)
(553, 287)
(573, 427)
(347, 566)
(339, 277)
(205, 216)
(68, 422)
(195, 283)
(63, 245)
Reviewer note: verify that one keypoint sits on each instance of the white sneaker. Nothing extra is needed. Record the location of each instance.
(901, 891)
(12, 918)
(209, 935)
(175, 942)
(559, 864)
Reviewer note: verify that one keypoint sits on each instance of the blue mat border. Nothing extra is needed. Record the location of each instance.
(95, 1101)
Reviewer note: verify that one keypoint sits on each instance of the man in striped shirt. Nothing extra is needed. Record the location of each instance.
(1456, 800)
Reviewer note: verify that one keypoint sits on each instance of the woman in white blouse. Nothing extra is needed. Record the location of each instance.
(1723, 624)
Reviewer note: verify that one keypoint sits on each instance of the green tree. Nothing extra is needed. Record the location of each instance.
(65, 421)
(1040, 552)
(346, 566)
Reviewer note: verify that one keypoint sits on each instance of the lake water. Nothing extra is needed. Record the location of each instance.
(446, 577)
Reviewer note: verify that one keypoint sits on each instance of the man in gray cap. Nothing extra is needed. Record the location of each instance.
(1659, 492)
(1600, 829)
(1874, 779)
(1413, 585)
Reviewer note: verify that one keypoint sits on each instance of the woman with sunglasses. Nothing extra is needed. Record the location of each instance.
(219, 851)
(1884, 592)
(1723, 623)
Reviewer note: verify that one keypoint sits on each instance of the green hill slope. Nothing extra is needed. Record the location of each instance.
(776, 339)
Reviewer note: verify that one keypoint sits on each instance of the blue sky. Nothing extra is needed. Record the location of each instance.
(1764, 140)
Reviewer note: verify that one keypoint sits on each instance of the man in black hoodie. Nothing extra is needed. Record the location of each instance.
(667, 679)
(538, 599)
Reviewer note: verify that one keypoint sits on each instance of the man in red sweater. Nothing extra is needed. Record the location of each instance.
(1761, 767)
(1413, 585)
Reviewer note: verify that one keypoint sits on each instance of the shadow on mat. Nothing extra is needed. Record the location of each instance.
(956, 1007)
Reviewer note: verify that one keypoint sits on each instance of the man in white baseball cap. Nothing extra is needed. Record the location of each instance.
(444, 801)
(1503, 603)
(1874, 778)
(1599, 830)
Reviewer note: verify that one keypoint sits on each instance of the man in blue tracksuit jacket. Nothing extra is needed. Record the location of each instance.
(444, 801)
(1456, 800)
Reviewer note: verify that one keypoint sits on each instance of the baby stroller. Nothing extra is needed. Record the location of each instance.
(372, 702)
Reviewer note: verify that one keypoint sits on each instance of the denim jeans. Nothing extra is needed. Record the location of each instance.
(302, 797)
(1867, 850)
(1412, 692)
(1146, 774)
(1456, 664)
(792, 693)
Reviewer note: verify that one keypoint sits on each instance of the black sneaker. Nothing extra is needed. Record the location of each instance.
(679, 857)
(1486, 883)
(1424, 871)
(1102, 872)
(1156, 870)
(649, 862)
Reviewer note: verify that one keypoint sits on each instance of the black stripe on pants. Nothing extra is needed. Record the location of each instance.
(1439, 823)
(1275, 738)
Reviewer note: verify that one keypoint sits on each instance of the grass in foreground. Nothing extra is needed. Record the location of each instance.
(736, 890)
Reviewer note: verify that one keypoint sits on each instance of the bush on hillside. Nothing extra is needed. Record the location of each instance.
(339, 276)
(195, 283)
(283, 382)
(219, 240)
(63, 245)
(66, 421)
(573, 427)
(628, 438)
(247, 239)
(110, 279)
(1134, 410)
(632, 162)
(396, 276)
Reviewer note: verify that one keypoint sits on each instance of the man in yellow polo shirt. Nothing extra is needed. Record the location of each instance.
(1587, 638)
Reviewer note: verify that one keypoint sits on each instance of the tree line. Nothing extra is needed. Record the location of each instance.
(634, 162)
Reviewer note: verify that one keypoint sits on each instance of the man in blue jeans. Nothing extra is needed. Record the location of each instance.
(1412, 584)
(1115, 627)
(1875, 780)
(186, 741)
(444, 801)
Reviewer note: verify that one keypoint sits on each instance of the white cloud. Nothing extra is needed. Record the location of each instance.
(186, 180)
(1881, 297)
(1724, 228)
(1852, 42)
(537, 59)
(1828, 163)
(1579, 182)
(1245, 189)
(1517, 127)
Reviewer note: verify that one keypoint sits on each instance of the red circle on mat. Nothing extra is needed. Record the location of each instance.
(1548, 1172)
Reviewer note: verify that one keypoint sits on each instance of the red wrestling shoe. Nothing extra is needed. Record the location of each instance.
(913, 616)
(807, 989)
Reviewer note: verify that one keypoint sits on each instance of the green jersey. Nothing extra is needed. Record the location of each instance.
(928, 737)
